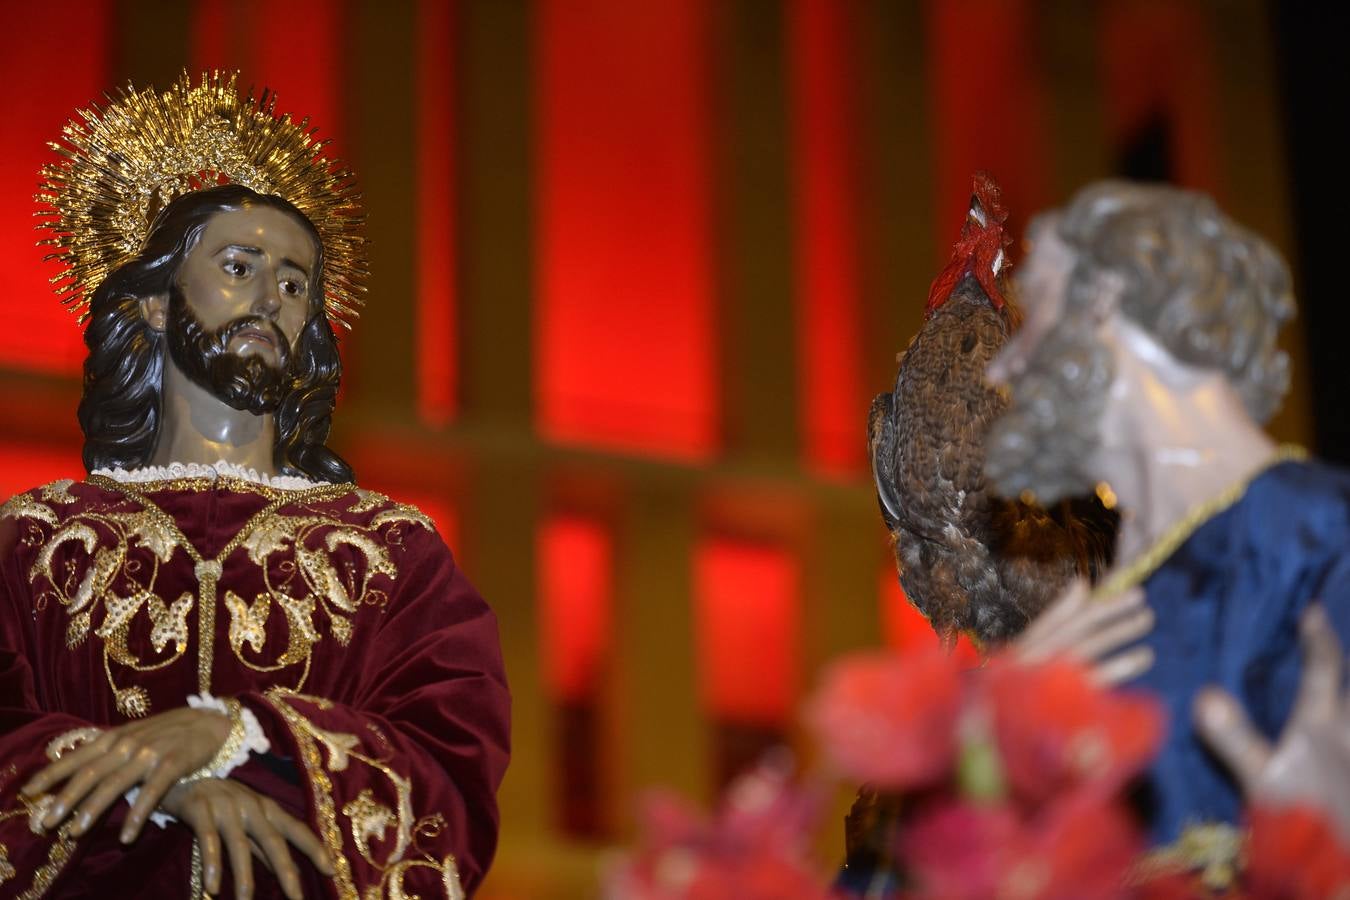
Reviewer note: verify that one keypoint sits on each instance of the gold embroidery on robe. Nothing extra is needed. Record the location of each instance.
(58, 854)
(247, 622)
(22, 506)
(369, 821)
(126, 540)
(58, 491)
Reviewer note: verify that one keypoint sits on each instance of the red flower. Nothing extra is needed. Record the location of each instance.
(1180, 886)
(1056, 730)
(685, 874)
(1295, 854)
(955, 851)
(1081, 849)
(765, 877)
(756, 847)
(889, 720)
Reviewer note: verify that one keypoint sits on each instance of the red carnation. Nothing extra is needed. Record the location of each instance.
(765, 877)
(956, 851)
(755, 848)
(1081, 849)
(1295, 854)
(889, 720)
(684, 873)
(1179, 885)
(1057, 730)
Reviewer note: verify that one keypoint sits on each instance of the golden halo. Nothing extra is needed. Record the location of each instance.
(125, 162)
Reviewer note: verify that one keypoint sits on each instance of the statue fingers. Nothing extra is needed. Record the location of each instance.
(1226, 730)
(87, 778)
(1097, 614)
(1123, 667)
(197, 813)
(235, 839)
(1319, 692)
(1115, 634)
(1043, 638)
(301, 836)
(1075, 619)
(112, 787)
(1064, 608)
(272, 847)
(70, 762)
(155, 784)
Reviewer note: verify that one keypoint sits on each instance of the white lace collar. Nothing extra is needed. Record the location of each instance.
(173, 471)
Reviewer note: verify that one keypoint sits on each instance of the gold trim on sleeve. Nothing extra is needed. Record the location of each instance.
(62, 744)
(62, 849)
(368, 819)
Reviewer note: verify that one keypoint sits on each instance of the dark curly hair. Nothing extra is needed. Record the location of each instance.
(120, 410)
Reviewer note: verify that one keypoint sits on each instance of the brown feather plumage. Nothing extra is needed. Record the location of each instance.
(970, 560)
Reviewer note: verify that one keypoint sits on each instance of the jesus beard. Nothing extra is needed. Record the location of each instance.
(1046, 440)
(248, 383)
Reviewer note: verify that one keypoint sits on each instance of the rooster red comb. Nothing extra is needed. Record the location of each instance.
(980, 251)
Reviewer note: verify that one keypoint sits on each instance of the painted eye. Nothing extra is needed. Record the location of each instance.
(236, 268)
(292, 288)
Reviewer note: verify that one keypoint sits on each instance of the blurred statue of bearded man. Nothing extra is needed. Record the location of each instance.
(218, 630)
(1145, 369)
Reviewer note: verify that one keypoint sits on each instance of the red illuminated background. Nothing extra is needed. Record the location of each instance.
(638, 270)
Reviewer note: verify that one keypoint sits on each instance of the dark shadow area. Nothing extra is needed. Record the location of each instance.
(1147, 155)
(1310, 41)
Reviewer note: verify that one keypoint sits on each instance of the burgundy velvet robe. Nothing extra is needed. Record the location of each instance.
(336, 615)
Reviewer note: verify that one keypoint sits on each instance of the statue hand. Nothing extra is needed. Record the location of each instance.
(220, 811)
(1091, 631)
(151, 754)
(1310, 763)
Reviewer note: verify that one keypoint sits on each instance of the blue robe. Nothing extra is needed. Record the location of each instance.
(1228, 602)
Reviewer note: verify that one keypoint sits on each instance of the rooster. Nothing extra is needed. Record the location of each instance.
(969, 560)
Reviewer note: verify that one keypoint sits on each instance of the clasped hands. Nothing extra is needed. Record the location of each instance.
(155, 755)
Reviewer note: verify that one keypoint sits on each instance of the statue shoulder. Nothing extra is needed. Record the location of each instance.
(1309, 490)
(384, 510)
(41, 503)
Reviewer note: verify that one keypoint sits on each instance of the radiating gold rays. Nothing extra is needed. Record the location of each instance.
(122, 163)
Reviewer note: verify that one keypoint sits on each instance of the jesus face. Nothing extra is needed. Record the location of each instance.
(241, 299)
